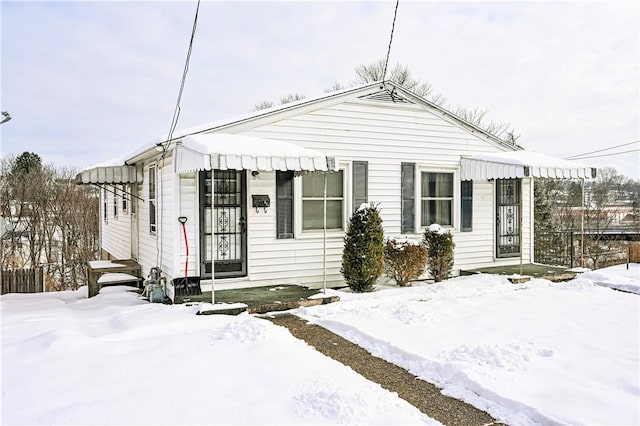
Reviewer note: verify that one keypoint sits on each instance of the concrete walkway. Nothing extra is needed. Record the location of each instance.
(425, 396)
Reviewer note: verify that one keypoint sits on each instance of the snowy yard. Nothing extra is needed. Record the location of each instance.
(534, 353)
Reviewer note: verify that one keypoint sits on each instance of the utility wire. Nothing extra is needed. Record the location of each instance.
(176, 112)
(574, 157)
(386, 62)
(172, 128)
(607, 155)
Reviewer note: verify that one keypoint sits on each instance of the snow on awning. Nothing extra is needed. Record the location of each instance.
(239, 152)
(109, 175)
(518, 164)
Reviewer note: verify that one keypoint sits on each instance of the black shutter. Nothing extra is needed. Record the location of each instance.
(360, 183)
(407, 197)
(466, 205)
(284, 204)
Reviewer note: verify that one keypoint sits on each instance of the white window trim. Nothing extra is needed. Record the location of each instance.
(455, 219)
(345, 167)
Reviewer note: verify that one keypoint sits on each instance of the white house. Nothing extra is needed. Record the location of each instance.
(380, 143)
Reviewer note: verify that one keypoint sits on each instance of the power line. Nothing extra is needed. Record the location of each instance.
(176, 112)
(573, 157)
(386, 62)
(607, 155)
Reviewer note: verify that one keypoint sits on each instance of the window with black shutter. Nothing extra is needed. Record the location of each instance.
(466, 205)
(284, 204)
(408, 197)
(360, 183)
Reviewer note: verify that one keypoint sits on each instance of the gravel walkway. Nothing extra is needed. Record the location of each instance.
(423, 395)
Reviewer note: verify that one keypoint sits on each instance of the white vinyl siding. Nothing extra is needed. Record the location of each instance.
(115, 231)
(383, 134)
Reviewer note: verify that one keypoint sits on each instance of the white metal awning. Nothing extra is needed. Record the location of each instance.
(109, 175)
(518, 164)
(239, 152)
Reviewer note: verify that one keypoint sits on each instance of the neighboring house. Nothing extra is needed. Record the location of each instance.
(420, 163)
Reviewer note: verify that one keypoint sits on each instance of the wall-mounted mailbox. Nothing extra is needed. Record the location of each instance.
(261, 201)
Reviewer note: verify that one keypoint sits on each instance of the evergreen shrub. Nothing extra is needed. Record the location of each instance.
(405, 260)
(440, 245)
(363, 255)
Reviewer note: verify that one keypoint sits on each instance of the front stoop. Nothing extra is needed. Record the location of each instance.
(272, 307)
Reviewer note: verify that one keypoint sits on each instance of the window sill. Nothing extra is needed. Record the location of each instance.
(314, 234)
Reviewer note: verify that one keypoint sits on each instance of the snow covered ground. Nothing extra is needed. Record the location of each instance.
(115, 359)
(534, 353)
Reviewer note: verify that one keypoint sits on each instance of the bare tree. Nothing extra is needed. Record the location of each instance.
(336, 86)
(291, 97)
(55, 221)
(399, 74)
(263, 105)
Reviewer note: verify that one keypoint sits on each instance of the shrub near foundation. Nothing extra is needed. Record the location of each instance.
(440, 245)
(363, 255)
(404, 259)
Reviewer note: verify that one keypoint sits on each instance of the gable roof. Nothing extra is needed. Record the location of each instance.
(384, 91)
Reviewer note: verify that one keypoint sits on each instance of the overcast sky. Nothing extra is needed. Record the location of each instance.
(87, 81)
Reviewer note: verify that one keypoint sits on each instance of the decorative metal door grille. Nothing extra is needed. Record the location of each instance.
(508, 199)
(229, 228)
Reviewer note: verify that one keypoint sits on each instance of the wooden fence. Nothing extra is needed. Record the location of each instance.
(634, 252)
(22, 280)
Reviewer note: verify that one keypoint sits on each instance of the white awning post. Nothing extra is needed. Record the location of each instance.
(521, 221)
(213, 216)
(324, 236)
(582, 230)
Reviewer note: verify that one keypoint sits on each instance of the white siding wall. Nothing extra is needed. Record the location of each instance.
(153, 251)
(116, 232)
(189, 208)
(385, 135)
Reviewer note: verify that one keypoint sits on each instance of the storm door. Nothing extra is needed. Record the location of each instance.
(508, 199)
(229, 228)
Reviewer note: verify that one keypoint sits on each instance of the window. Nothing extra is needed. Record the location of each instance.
(407, 197)
(152, 199)
(437, 198)
(313, 204)
(360, 183)
(104, 204)
(124, 199)
(466, 205)
(115, 203)
(284, 204)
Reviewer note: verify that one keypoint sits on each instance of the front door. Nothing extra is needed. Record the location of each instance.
(228, 234)
(508, 199)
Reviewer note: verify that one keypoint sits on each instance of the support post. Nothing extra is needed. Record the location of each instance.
(213, 245)
(582, 229)
(324, 236)
(520, 219)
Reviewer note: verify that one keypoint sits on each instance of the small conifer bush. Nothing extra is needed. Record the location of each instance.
(404, 259)
(440, 245)
(363, 255)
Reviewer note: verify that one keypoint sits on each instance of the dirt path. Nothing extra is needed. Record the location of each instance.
(422, 395)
